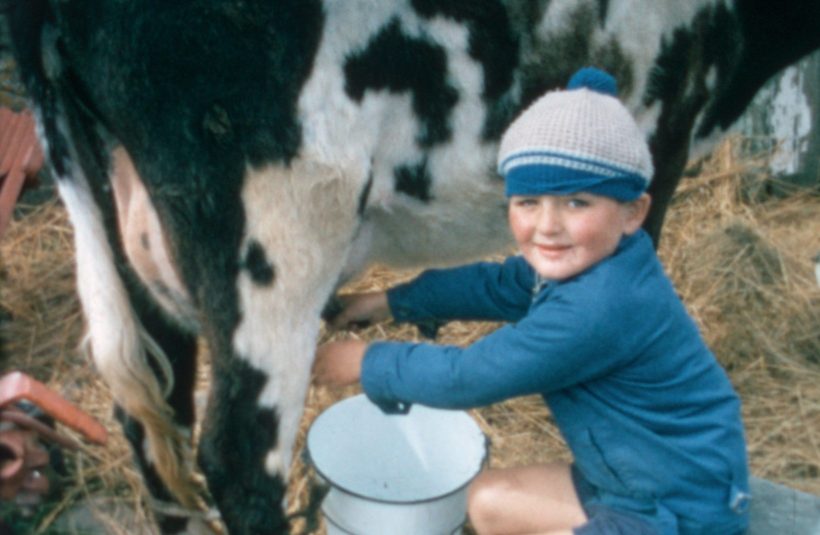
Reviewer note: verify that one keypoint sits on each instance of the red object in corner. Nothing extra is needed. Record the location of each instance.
(17, 386)
(20, 159)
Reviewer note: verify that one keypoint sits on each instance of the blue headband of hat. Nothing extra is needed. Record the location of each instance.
(551, 172)
(545, 172)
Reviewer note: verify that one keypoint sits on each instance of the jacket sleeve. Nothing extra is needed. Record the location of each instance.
(481, 291)
(551, 349)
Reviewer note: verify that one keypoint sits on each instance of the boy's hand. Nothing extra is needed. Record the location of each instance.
(361, 309)
(339, 363)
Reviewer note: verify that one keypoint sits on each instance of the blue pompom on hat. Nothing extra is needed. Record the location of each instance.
(581, 139)
(594, 79)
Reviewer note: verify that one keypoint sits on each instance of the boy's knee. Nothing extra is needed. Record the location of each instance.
(484, 503)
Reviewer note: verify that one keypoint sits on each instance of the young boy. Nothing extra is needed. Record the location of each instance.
(595, 327)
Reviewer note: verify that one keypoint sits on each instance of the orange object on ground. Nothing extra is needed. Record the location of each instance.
(26, 464)
(17, 386)
(20, 159)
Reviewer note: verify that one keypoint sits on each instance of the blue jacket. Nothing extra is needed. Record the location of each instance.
(650, 416)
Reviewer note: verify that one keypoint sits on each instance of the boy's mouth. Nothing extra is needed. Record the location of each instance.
(552, 250)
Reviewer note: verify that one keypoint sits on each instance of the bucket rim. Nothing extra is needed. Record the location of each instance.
(479, 467)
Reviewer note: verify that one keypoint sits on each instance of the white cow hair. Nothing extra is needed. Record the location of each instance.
(304, 217)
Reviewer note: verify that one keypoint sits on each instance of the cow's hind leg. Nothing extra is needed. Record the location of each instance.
(300, 222)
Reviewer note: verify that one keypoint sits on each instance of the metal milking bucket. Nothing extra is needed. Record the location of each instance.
(402, 474)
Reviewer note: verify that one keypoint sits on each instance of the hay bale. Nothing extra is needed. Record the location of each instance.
(741, 279)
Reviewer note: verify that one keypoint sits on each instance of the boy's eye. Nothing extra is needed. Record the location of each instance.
(576, 202)
(526, 202)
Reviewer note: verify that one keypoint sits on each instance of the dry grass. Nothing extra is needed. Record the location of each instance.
(743, 268)
(745, 271)
(40, 331)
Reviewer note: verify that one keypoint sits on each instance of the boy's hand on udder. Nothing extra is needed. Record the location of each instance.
(361, 310)
(339, 363)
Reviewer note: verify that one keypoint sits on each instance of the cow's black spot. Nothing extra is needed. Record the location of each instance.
(721, 48)
(145, 241)
(237, 435)
(709, 43)
(492, 41)
(603, 9)
(414, 180)
(667, 79)
(365, 195)
(256, 263)
(552, 61)
(712, 42)
(677, 81)
(398, 63)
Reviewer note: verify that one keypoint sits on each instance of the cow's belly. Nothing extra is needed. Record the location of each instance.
(464, 216)
(451, 229)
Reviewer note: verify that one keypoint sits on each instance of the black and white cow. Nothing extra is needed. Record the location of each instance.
(226, 164)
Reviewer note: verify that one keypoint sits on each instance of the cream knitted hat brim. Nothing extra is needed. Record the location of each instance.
(578, 140)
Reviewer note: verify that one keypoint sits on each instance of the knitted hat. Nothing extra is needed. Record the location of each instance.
(580, 139)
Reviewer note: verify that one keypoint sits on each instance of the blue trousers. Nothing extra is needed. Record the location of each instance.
(605, 520)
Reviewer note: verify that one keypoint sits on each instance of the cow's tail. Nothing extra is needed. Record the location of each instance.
(139, 390)
(132, 364)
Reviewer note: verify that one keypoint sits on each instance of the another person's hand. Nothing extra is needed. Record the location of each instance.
(361, 309)
(339, 363)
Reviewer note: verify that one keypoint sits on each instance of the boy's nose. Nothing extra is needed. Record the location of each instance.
(549, 220)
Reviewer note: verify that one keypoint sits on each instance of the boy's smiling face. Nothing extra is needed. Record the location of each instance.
(562, 236)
